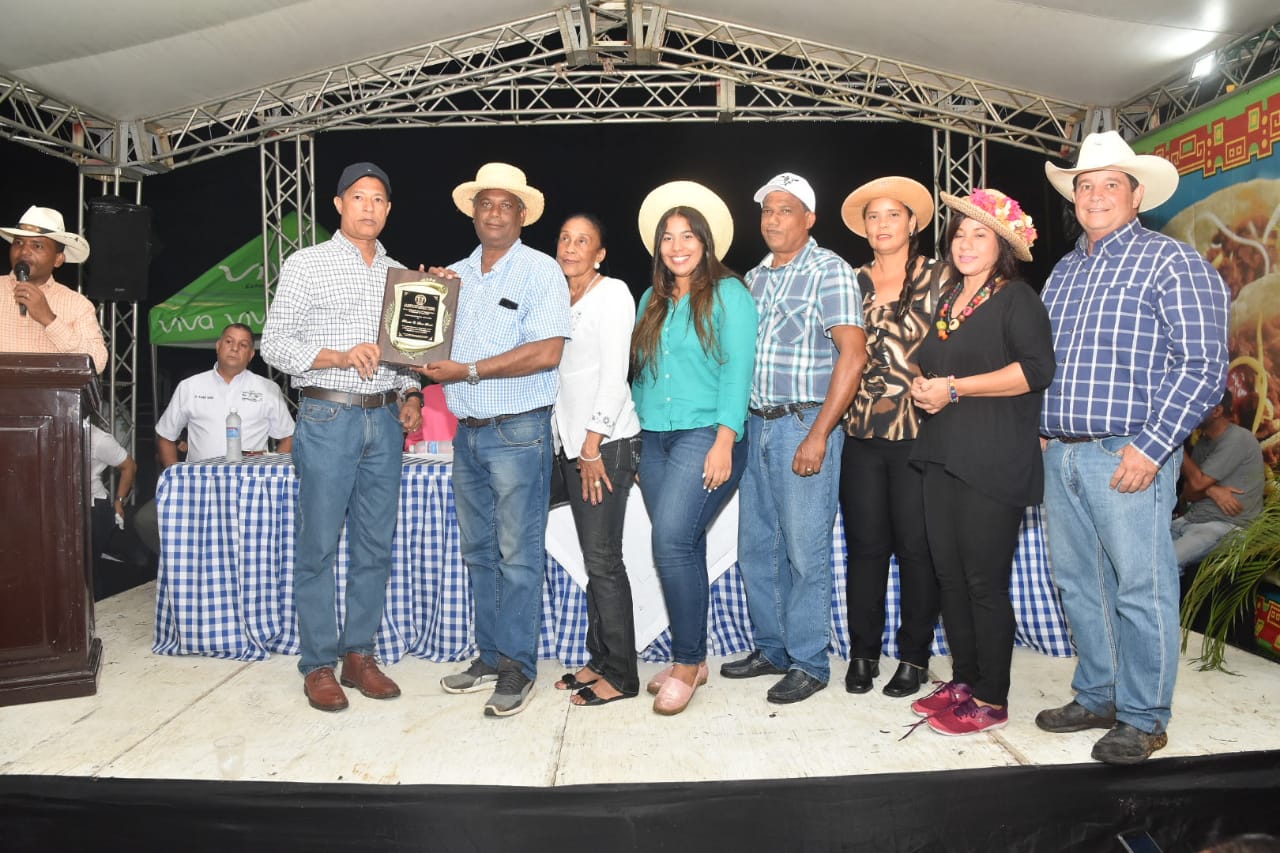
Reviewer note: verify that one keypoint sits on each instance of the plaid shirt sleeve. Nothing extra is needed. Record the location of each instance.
(1191, 304)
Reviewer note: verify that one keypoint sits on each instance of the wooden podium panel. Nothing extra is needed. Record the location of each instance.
(47, 645)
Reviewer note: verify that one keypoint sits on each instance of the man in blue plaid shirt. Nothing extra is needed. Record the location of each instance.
(513, 319)
(810, 352)
(1140, 335)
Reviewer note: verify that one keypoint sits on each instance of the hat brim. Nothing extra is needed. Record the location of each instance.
(1156, 174)
(464, 198)
(967, 208)
(905, 191)
(686, 194)
(74, 247)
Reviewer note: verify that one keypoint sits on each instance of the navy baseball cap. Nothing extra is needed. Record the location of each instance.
(356, 171)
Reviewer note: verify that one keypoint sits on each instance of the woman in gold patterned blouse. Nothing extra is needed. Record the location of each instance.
(880, 493)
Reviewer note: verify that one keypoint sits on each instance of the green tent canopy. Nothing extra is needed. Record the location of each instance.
(230, 292)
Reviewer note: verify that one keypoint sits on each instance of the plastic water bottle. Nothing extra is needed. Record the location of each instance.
(233, 437)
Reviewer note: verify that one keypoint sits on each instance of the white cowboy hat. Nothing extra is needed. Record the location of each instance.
(1110, 151)
(686, 194)
(911, 194)
(500, 176)
(48, 222)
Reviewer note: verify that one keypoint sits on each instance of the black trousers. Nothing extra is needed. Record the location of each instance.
(611, 628)
(972, 539)
(882, 500)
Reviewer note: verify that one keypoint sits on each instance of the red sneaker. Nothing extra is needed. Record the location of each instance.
(968, 718)
(947, 696)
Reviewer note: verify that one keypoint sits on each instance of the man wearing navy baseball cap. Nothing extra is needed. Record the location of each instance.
(322, 329)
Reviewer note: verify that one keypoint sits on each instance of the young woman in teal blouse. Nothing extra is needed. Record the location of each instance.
(692, 355)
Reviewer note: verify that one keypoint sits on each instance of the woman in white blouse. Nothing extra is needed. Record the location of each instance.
(596, 432)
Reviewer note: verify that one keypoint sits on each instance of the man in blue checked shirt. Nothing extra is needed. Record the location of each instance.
(810, 352)
(1140, 336)
(513, 319)
(347, 449)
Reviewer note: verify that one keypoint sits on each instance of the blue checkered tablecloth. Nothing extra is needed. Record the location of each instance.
(225, 586)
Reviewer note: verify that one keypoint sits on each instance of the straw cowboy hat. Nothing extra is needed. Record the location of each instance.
(48, 222)
(1110, 151)
(500, 176)
(905, 191)
(1000, 213)
(686, 194)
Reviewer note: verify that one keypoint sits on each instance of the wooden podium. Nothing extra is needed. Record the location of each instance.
(47, 645)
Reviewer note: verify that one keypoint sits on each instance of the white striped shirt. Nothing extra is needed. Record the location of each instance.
(329, 298)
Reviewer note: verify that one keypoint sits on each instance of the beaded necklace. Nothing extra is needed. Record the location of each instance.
(946, 323)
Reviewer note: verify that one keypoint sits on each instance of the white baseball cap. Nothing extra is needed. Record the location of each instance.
(789, 182)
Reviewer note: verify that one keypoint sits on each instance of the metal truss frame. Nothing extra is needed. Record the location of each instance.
(287, 168)
(594, 62)
(1244, 61)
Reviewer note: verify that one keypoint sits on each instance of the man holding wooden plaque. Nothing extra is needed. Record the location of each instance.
(500, 381)
(352, 416)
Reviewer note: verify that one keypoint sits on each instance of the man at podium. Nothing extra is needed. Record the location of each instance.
(37, 314)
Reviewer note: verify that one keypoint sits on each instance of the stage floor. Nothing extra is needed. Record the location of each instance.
(158, 717)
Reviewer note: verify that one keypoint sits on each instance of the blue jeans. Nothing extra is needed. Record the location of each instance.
(1113, 561)
(501, 485)
(681, 510)
(611, 626)
(348, 464)
(784, 543)
(1192, 541)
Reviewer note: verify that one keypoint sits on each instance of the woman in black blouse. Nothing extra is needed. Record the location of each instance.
(984, 368)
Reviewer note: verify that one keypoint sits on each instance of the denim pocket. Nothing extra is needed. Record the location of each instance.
(522, 431)
(318, 411)
(1113, 445)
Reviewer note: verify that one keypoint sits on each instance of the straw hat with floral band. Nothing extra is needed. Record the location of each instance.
(1109, 151)
(686, 194)
(500, 176)
(47, 222)
(905, 191)
(1000, 213)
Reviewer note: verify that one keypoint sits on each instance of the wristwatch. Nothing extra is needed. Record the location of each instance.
(473, 377)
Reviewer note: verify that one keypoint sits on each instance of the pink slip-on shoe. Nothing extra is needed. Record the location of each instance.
(674, 695)
(655, 683)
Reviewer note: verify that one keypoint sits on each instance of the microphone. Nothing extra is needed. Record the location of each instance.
(22, 272)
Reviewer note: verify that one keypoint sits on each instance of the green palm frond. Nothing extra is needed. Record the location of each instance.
(1228, 581)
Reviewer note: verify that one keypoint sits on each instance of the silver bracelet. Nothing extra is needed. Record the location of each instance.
(595, 458)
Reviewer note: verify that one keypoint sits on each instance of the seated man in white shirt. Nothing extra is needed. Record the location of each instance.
(200, 405)
(1223, 483)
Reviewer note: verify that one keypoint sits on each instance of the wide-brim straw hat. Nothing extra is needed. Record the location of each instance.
(903, 190)
(1005, 217)
(1109, 151)
(500, 176)
(47, 222)
(686, 194)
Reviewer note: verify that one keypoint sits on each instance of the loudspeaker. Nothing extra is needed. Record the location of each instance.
(119, 235)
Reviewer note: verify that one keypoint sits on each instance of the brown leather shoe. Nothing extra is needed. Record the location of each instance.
(361, 672)
(323, 690)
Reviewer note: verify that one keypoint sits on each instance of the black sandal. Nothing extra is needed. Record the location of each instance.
(571, 682)
(589, 698)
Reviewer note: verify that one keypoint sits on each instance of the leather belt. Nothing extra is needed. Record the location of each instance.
(364, 401)
(1077, 439)
(770, 413)
(476, 423)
